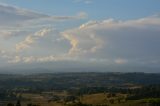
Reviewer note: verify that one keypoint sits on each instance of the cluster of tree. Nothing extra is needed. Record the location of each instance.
(79, 104)
(19, 104)
(151, 91)
(66, 81)
(152, 101)
(7, 95)
(12, 104)
(88, 90)
(30, 104)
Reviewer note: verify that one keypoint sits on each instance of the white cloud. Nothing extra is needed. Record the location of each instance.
(82, 41)
(31, 39)
(116, 41)
(11, 15)
(16, 21)
(29, 59)
(15, 59)
(5, 33)
(80, 15)
(88, 24)
(120, 61)
(84, 1)
(112, 39)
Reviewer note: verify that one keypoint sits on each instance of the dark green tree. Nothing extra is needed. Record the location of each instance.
(18, 103)
(10, 104)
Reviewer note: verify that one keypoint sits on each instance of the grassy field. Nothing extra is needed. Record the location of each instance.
(98, 99)
(90, 99)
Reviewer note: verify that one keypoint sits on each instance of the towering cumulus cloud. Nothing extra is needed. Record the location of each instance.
(120, 41)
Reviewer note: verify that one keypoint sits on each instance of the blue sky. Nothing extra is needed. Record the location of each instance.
(126, 9)
(80, 34)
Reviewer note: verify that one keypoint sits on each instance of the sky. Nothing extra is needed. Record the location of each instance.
(80, 35)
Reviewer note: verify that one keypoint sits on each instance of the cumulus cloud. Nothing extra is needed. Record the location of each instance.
(120, 61)
(115, 40)
(82, 41)
(40, 59)
(2, 53)
(15, 21)
(31, 39)
(15, 59)
(6, 33)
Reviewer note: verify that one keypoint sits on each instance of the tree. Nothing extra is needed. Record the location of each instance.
(18, 103)
(111, 101)
(10, 104)
(30, 104)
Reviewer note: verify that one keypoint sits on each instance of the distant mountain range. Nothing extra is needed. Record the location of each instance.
(74, 67)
